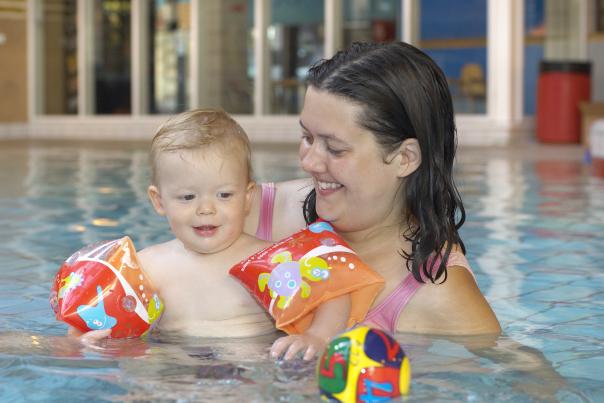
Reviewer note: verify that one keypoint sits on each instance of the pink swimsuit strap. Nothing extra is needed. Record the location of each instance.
(265, 219)
(385, 315)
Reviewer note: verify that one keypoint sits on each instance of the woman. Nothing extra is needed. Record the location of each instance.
(378, 141)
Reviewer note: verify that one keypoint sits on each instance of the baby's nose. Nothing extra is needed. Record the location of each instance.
(205, 207)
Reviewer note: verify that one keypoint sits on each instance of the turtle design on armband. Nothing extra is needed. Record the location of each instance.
(290, 276)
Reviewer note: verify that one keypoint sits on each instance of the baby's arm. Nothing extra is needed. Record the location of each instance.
(91, 337)
(330, 319)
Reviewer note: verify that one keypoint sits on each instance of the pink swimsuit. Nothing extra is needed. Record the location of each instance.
(386, 314)
(265, 221)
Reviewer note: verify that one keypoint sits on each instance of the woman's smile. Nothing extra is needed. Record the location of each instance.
(327, 188)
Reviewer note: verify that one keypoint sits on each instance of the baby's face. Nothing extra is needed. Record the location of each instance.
(205, 195)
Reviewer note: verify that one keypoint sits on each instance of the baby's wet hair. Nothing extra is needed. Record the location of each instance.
(200, 129)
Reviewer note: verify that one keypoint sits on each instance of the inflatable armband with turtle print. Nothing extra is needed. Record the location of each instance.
(291, 278)
(102, 286)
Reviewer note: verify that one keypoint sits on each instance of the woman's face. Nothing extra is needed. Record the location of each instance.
(356, 189)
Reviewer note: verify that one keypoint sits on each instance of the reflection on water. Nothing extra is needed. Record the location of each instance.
(534, 235)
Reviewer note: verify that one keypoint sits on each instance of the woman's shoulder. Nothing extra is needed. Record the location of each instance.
(289, 200)
(291, 194)
(300, 185)
(454, 307)
(287, 215)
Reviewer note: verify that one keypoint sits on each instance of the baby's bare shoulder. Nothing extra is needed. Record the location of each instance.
(157, 250)
(155, 257)
(249, 245)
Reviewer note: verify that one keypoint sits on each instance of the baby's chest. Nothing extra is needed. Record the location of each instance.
(205, 297)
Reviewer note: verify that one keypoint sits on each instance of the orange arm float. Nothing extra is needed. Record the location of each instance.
(291, 278)
(102, 286)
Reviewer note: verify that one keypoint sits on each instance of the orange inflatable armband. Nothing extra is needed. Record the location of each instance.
(102, 286)
(293, 277)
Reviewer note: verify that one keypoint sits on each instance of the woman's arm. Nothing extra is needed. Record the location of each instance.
(330, 319)
(287, 209)
(540, 379)
(455, 307)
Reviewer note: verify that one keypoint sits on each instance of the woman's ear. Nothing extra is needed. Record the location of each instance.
(249, 196)
(155, 197)
(408, 157)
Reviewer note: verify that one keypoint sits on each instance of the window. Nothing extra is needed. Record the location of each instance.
(112, 57)
(225, 50)
(371, 21)
(599, 16)
(534, 37)
(454, 35)
(59, 68)
(169, 89)
(295, 37)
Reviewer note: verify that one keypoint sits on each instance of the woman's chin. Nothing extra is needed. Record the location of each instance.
(326, 214)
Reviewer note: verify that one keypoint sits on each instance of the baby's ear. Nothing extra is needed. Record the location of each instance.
(155, 197)
(408, 157)
(249, 195)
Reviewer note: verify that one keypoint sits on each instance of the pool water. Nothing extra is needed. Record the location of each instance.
(534, 234)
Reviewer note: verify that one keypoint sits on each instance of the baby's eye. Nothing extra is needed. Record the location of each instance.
(188, 197)
(225, 195)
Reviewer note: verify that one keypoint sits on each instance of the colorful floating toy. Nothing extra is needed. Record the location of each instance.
(293, 277)
(363, 365)
(102, 286)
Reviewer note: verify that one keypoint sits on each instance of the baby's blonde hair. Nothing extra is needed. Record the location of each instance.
(197, 129)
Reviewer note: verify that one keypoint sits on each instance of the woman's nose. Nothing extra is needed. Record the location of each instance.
(311, 159)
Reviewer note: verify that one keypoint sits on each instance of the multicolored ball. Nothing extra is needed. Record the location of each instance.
(363, 365)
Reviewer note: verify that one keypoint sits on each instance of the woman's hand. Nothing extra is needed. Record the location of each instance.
(91, 338)
(290, 346)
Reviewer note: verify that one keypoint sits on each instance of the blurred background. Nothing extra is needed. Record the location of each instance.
(113, 69)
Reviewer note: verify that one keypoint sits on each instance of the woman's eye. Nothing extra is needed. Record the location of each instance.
(334, 152)
(307, 139)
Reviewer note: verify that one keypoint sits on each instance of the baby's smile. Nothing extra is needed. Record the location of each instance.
(205, 230)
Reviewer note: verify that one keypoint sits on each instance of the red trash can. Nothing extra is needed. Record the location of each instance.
(561, 87)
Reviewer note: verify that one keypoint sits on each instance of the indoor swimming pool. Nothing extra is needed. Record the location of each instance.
(534, 235)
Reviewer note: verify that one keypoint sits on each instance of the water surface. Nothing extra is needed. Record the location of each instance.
(534, 234)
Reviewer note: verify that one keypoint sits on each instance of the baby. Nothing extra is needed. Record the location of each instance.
(201, 182)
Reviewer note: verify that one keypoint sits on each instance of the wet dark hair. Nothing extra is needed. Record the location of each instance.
(404, 94)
